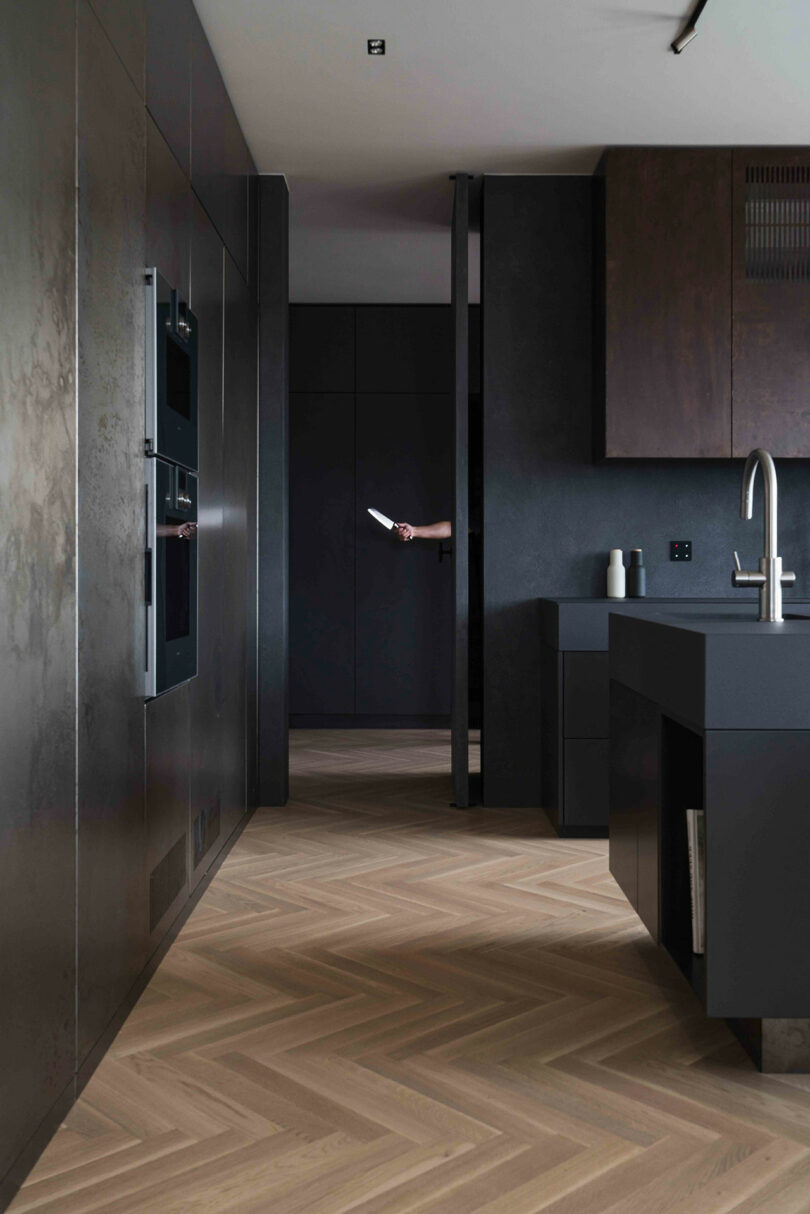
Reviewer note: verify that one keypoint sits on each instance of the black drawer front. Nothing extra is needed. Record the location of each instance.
(586, 707)
(586, 783)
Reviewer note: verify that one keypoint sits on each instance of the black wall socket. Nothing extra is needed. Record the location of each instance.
(680, 550)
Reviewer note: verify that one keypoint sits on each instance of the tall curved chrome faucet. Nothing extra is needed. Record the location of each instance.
(769, 578)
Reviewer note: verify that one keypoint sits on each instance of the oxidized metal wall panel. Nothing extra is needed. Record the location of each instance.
(168, 212)
(220, 160)
(124, 23)
(113, 897)
(207, 691)
(37, 565)
(167, 789)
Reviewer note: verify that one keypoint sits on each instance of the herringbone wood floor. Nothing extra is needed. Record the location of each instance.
(386, 1006)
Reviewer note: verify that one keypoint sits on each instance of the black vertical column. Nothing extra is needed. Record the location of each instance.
(273, 491)
(459, 299)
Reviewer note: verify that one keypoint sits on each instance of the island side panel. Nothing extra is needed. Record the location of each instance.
(757, 871)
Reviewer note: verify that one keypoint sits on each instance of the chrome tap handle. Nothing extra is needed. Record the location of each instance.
(740, 578)
(788, 579)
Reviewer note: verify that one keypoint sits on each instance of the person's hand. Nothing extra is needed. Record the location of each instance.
(404, 532)
(186, 530)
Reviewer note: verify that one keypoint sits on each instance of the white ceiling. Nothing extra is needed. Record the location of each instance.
(517, 86)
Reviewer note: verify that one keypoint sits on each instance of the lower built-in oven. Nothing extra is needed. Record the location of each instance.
(171, 576)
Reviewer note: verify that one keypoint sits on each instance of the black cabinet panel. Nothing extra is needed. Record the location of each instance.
(168, 744)
(322, 348)
(757, 908)
(587, 699)
(551, 745)
(168, 73)
(635, 728)
(322, 553)
(475, 349)
(38, 584)
(239, 469)
(404, 592)
(112, 895)
(168, 212)
(124, 23)
(586, 783)
(207, 691)
(220, 160)
(404, 349)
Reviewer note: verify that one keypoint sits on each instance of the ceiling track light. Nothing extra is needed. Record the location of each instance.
(689, 31)
(376, 46)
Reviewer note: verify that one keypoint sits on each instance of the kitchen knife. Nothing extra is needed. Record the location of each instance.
(381, 518)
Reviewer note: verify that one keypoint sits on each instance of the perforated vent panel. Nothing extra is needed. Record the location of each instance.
(777, 223)
(206, 830)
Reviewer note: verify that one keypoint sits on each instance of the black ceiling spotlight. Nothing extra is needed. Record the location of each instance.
(376, 46)
(689, 31)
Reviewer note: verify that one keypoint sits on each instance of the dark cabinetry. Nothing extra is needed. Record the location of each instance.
(771, 297)
(575, 740)
(206, 832)
(403, 591)
(220, 160)
(38, 585)
(703, 265)
(371, 425)
(112, 876)
(322, 552)
(189, 103)
(168, 73)
(634, 793)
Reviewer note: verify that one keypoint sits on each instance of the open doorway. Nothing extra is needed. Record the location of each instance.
(371, 425)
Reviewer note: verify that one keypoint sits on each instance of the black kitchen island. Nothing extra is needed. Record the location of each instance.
(712, 711)
(574, 689)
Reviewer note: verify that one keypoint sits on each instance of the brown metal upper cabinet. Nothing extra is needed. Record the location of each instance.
(664, 317)
(771, 299)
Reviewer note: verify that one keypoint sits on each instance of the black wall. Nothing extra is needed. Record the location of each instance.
(371, 425)
(101, 786)
(550, 513)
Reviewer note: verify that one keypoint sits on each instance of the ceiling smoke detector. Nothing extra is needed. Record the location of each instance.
(689, 31)
(376, 46)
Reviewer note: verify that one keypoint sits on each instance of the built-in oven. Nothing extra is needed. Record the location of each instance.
(171, 374)
(170, 575)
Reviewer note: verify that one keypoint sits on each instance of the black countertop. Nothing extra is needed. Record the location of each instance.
(582, 624)
(715, 670)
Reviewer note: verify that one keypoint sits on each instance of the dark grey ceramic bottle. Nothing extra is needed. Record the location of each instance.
(636, 575)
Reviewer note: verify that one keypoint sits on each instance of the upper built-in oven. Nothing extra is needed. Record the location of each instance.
(171, 374)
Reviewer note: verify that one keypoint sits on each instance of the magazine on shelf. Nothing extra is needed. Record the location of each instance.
(696, 837)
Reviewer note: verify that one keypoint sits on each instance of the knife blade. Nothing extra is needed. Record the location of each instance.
(381, 518)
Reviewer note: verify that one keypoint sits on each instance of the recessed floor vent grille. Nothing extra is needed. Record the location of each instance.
(206, 830)
(166, 881)
(777, 223)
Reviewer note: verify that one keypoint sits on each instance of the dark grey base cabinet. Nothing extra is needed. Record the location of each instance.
(575, 741)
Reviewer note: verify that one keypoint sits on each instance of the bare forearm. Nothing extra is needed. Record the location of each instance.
(434, 531)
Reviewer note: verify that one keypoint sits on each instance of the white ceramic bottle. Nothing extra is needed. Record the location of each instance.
(615, 575)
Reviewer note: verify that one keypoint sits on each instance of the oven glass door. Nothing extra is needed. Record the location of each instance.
(172, 618)
(171, 374)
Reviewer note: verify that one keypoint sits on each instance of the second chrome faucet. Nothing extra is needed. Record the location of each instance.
(769, 578)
